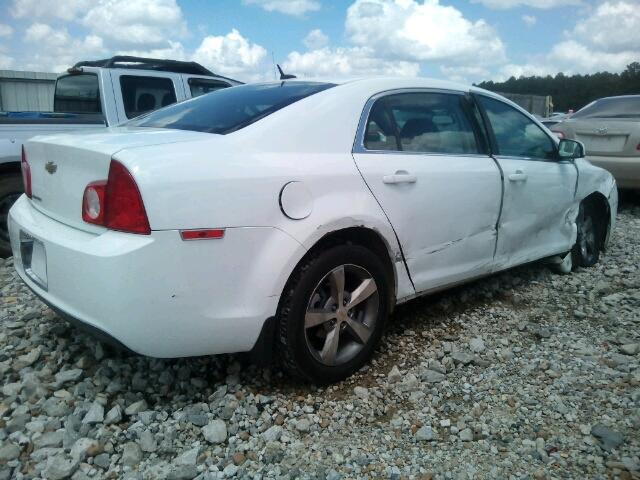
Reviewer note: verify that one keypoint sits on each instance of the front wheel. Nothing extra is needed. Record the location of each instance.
(586, 251)
(10, 189)
(333, 313)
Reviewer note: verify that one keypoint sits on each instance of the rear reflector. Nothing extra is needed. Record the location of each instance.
(26, 174)
(204, 234)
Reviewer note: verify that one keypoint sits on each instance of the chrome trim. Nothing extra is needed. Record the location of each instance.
(358, 143)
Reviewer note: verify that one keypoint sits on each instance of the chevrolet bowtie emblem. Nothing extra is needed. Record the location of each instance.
(51, 167)
(601, 131)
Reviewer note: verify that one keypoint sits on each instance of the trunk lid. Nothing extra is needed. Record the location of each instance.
(605, 137)
(63, 165)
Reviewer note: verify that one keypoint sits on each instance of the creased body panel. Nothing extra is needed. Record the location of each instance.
(446, 219)
(538, 212)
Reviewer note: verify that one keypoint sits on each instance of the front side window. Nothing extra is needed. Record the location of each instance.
(229, 109)
(200, 86)
(614, 107)
(77, 94)
(144, 94)
(517, 135)
(420, 122)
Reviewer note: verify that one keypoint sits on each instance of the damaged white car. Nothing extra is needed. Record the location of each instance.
(293, 216)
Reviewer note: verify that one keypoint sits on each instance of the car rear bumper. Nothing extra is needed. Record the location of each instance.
(156, 294)
(626, 170)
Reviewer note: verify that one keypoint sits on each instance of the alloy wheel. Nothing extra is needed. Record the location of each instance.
(341, 314)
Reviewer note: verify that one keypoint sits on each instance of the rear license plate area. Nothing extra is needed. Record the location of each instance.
(34, 259)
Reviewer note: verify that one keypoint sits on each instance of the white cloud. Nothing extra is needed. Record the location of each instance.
(412, 31)
(316, 39)
(464, 74)
(5, 30)
(606, 40)
(295, 8)
(570, 57)
(6, 62)
(232, 54)
(543, 4)
(56, 50)
(529, 20)
(49, 9)
(346, 62)
(614, 27)
(140, 23)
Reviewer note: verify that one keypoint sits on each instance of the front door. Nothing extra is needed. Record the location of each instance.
(423, 159)
(539, 189)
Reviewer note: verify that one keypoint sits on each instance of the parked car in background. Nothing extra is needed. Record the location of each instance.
(554, 119)
(609, 128)
(96, 94)
(292, 216)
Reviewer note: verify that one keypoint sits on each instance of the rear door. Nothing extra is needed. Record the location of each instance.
(137, 94)
(539, 189)
(423, 160)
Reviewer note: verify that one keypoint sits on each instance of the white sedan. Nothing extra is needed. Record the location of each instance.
(293, 216)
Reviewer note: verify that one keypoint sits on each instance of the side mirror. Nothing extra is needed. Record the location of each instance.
(570, 149)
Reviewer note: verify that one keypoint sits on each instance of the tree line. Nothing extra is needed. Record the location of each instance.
(575, 91)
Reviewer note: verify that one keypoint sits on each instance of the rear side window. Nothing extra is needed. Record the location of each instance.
(200, 86)
(516, 134)
(421, 122)
(616, 107)
(144, 94)
(77, 94)
(230, 109)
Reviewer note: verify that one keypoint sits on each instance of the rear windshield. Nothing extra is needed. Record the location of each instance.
(77, 94)
(230, 109)
(616, 107)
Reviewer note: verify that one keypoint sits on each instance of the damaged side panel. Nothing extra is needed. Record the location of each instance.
(445, 219)
(537, 218)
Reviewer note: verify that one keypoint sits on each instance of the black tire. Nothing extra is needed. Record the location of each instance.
(589, 241)
(10, 189)
(292, 342)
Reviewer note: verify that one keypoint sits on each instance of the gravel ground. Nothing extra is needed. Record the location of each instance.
(523, 375)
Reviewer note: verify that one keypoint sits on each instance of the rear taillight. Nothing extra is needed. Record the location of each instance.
(26, 174)
(558, 134)
(115, 203)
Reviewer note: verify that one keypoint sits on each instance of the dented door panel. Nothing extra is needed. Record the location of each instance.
(445, 220)
(538, 212)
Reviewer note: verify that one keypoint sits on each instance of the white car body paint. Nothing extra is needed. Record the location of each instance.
(164, 297)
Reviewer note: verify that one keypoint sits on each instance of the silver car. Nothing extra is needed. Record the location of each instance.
(609, 128)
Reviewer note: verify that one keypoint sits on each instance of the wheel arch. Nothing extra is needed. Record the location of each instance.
(356, 235)
(600, 204)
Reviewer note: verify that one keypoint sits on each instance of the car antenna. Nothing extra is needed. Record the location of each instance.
(284, 76)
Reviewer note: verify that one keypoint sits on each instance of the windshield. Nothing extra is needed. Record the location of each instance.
(230, 109)
(614, 107)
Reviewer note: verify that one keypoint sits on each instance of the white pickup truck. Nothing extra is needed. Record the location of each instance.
(96, 94)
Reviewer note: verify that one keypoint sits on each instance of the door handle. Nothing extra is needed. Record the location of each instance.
(519, 176)
(401, 176)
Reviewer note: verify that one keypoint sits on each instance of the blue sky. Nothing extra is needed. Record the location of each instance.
(462, 40)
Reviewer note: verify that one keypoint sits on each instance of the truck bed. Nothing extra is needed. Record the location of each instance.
(49, 118)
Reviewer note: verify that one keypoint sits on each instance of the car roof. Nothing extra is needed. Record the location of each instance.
(386, 83)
